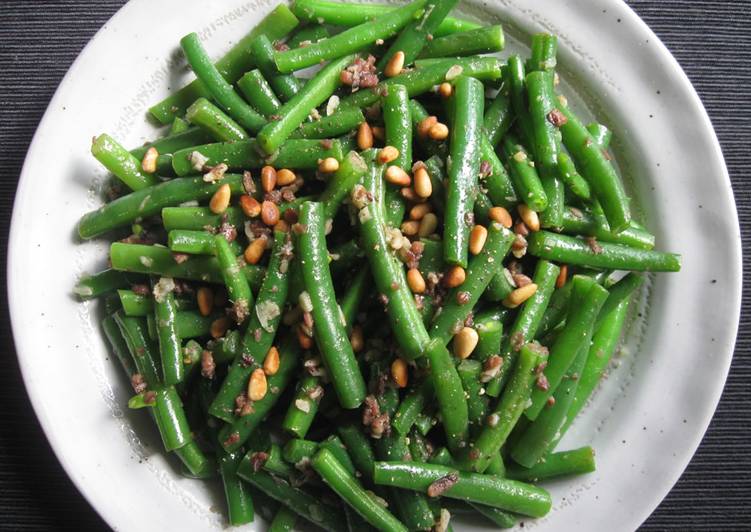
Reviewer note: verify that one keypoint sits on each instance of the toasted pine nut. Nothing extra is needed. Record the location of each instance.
(439, 131)
(285, 177)
(356, 339)
(269, 213)
(428, 225)
(268, 178)
(395, 65)
(250, 206)
(454, 277)
(220, 200)
(501, 215)
(445, 90)
(271, 362)
(425, 124)
(529, 217)
(257, 385)
(254, 252)
(423, 185)
(328, 165)
(410, 228)
(415, 281)
(399, 372)
(562, 276)
(387, 154)
(282, 226)
(148, 164)
(219, 327)
(465, 342)
(205, 300)
(419, 211)
(409, 194)
(364, 136)
(379, 133)
(477, 238)
(520, 295)
(397, 176)
(305, 341)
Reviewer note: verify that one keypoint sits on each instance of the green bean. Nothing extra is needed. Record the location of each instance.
(544, 52)
(354, 14)
(336, 350)
(485, 40)
(411, 406)
(118, 345)
(496, 466)
(156, 260)
(524, 176)
(556, 311)
(516, 80)
(436, 171)
(195, 461)
(148, 202)
(577, 222)
(388, 273)
(239, 501)
(297, 500)
(217, 124)
(179, 125)
(576, 462)
(237, 284)
(352, 299)
(422, 79)
(350, 173)
(498, 517)
(595, 167)
(490, 490)
(526, 323)
(581, 317)
(231, 66)
(199, 218)
(419, 448)
(173, 142)
(284, 520)
(170, 348)
(259, 93)
(98, 284)
(226, 349)
(232, 436)
(498, 118)
(340, 123)
(398, 125)
(303, 408)
(418, 32)
(505, 413)
(495, 178)
(464, 151)
(170, 418)
(196, 243)
(296, 451)
(121, 163)
(336, 447)
(617, 293)
(570, 176)
(601, 134)
(359, 449)
(460, 301)
(164, 165)
(275, 464)
(490, 333)
(262, 327)
(500, 286)
(308, 34)
(285, 85)
(442, 457)
(349, 41)
(477, 402)
(221, 91)
(141, 349)
(346, 486)
(302, 154)
(188, 324)
(593, 254)
(449, 394)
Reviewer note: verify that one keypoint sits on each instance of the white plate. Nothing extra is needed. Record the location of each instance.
(645, 423)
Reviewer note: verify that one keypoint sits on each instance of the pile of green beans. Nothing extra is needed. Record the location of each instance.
(385, 289)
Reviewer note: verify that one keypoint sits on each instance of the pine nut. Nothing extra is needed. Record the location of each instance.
(285, 177)
(148, 164)
(268, 178)
(465, 342)
(562, 276)
(477, 238)
(501, 215)
(445, 90)
(205, 300)
(329, 165)
(395, 65)
(220, 200)
(439, 131)
(454, 277)
(305, 341)
(419, 211)
(269, 213)
(428, 225)
(257, 385)
(399, 372)
(423, 185)
(410, 228)
(409, 194)
(415, 281)
(364, 136)
(397, 176)
(219, 327)
(254, 252)
(356, 339)
(282, 226)
(271, 362)
(425, 124)
(379, 133)
(529, 217)
(520, 295)
(250, 206)
(387, 154)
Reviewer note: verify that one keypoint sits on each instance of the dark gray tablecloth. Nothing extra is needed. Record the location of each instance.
(39, 39)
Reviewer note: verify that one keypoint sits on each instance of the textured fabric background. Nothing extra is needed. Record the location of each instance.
(39, 39)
